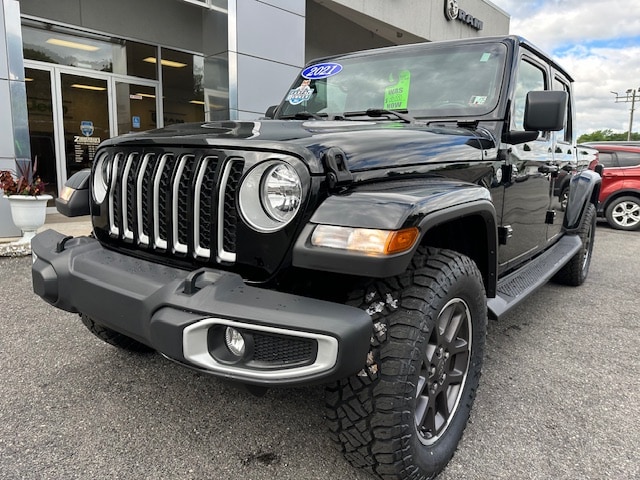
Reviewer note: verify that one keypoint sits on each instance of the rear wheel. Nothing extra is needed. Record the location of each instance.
(576, 270)
(114, 338)
(624, 213)
(404, 414)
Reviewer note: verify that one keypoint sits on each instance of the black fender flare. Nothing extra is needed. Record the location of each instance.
(585, 188)
(426, 205)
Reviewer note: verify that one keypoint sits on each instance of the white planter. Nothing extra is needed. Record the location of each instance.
(28, 213)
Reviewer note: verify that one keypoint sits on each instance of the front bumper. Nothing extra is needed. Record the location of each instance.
(293, 340)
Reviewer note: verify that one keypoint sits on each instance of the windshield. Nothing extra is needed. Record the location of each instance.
(434, 81)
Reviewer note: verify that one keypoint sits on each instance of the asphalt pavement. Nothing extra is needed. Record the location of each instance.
(558, 396)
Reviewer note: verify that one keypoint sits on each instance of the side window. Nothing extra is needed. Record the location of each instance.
(607, 159)
(628, 159)
(564, 135)
(530, 77)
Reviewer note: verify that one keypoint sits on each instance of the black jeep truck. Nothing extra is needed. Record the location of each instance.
(359, 236)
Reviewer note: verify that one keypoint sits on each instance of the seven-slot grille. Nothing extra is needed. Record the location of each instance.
(177, 202)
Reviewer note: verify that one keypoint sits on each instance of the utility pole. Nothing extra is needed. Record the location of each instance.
(629, 96)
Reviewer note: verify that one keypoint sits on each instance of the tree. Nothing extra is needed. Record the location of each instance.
(606, 135)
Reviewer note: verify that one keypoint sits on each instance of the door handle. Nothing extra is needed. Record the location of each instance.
(548, 168)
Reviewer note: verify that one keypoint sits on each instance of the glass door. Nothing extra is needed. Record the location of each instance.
(40, 107)
(85, 118)
(136, 107)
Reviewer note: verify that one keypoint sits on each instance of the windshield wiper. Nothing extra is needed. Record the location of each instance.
(304, 115)
(381, 112)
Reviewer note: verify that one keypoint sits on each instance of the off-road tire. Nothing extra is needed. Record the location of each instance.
(624, 213)
(575, 272)
(114, 338)
(372, 415)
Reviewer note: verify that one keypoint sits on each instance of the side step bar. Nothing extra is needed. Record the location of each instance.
(514, 288)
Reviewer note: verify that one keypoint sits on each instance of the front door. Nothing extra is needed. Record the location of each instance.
(531, 166)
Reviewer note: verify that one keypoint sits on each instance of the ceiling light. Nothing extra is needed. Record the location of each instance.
(148, 95)
(165, 63)
(76, 45)
(88, 87)
(196, 102)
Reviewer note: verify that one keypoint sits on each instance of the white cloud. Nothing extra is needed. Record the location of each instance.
(597, 41)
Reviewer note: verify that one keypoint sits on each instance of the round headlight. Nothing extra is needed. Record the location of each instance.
(101, 177)
(270, 196)
(281, 192)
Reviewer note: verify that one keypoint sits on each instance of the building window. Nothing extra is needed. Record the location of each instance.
(182, 89)
(63, 46)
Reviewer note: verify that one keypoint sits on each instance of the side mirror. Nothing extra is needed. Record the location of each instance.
(74, 199)
(599, 169)
(545, 110)
(515, 137)
(271, 111)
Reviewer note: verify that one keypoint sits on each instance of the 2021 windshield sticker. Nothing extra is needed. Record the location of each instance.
(397, 96)
(321, 70)
(301, 94)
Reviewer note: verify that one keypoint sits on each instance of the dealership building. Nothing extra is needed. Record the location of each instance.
(76, 72)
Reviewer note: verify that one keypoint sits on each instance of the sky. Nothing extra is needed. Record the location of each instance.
(598, 43)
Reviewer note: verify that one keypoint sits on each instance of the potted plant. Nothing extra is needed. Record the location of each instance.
(25, 192)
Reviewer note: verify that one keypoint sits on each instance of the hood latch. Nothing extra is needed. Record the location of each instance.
(335, 162)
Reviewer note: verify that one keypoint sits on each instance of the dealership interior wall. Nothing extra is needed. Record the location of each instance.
(74, 72)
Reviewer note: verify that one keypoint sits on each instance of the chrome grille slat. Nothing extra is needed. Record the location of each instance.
(127, 232)
(200, 250)
(143, 231)
(157, 206)
(222, 254)
(114, 228)
(178, 245)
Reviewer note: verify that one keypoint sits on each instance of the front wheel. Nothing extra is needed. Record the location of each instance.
(404, 414)
(624, 213)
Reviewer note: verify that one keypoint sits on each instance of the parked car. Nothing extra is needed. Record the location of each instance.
(619, 200)
(586, 158)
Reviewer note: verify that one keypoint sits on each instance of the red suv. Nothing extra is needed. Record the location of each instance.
(619, 199)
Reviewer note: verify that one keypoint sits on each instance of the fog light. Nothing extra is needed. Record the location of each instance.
(234, 341)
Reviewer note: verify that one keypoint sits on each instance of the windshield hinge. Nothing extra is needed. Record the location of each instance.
(470, 124)
(338, 174)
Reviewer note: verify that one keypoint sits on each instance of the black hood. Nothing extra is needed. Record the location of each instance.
(367, 144)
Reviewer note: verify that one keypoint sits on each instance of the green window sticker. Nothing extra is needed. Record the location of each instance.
(397, 96)
(485, 57)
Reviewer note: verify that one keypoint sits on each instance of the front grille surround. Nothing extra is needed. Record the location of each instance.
(181, 202)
